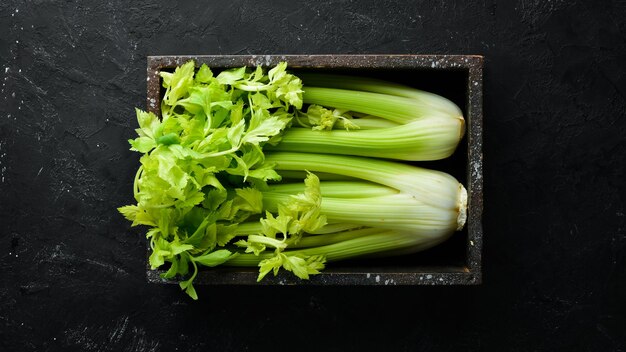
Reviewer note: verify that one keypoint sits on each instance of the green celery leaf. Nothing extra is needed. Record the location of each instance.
(225, 233)
(129, 212)
(291, 93)
(296, 265)
(315, 264)
(249, 199)
(251, 246)
(210, 237)
(149, 124)
(160, 252)
(199, 101)
(191, 196)
(266, 173)
(183, 265)
(266, 129)
(225, 211)
(272, 225)
(271, 264)
(179, 83)
(215, 258)
(231, 76)
(177, 247)
(261, 101)
(236, 132)
(172, 271)
(204, 74)
(142, 144)
(187, 286)
(214, 198)
(278, 72)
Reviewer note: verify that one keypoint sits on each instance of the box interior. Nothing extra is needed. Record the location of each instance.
(451, 255)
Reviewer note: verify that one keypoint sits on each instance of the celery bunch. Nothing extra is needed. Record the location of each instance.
(382, 119)
(220, 180)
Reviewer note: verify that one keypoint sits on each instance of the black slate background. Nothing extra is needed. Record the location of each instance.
(72, 273)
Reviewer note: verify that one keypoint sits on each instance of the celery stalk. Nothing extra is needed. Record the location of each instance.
(339, 189)
(384, 241)
(421, 125)
(380, 86)
(254, 227)
(428, 186)
(399, 211)
(397, 109)
(428, 138)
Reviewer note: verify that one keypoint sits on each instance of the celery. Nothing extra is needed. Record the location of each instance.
(216, 186)
(383, 241)
(429, 138)
(373, 85)
(397, 122)
(429, 186)
(339, 189)
(400, 212)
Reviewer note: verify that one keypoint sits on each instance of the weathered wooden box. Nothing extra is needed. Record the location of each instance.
(457, 77)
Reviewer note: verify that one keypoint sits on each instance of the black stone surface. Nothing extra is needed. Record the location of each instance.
(72, 274)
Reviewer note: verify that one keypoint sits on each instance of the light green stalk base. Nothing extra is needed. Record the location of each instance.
(384, 241)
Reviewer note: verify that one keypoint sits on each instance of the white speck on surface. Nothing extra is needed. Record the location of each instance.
(387, 282)
(368, 275)
(107, 120)
(471, 243)
(40, 170)
(20, 70)
(6, 69)
(16, 255)
(476, 171)
(433, 64)
(17, 10)
(428, 277)
(13, 95)
(475, 83)
(377, 278)
(54, 338)
(17, 42)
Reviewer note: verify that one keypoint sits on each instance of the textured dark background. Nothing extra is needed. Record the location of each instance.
(72, 274)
